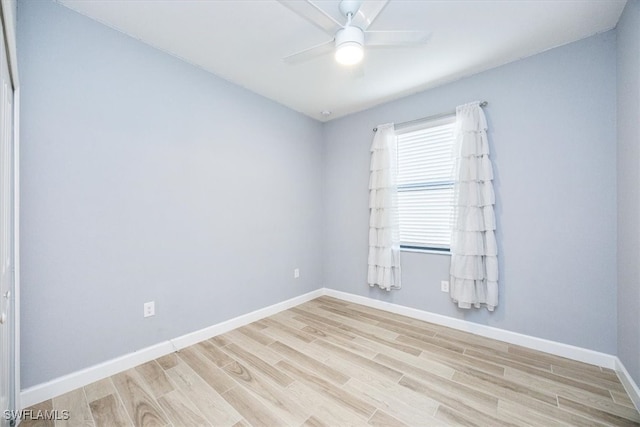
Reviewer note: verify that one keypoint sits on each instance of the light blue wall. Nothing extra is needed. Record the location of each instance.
(629, 188)
(552, 120)
(145, 178)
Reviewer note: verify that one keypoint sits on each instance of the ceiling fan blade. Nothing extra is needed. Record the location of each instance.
(396, 38)
(368, 12)
(310, 53)
(313, 14)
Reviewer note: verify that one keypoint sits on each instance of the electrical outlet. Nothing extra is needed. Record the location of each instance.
(296, 273)
(149, 309)
(444, 286)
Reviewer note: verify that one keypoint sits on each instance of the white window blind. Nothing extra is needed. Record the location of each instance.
(425, 184)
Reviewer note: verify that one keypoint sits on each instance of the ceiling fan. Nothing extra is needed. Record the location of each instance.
(350, 39)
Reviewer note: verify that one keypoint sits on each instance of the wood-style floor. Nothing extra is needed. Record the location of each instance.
(332, 363)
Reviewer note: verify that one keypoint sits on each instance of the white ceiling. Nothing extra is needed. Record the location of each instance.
(244, 42)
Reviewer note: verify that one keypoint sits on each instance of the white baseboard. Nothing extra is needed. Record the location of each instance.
(220, 328)
(97, 372)
(628, 383)
(553, 347)
(74, 380)
(83, 377)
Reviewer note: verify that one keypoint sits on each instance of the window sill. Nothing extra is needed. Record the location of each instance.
(425, 251)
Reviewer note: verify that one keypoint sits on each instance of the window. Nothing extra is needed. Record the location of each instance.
(425, 184)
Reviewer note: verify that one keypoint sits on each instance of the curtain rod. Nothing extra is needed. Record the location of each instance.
(423, 119)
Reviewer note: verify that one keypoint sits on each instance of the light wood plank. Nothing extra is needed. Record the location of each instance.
(326, 299)
(251, 408)
(274, 325)
(345, 344)
(109, 412)
(382, 419)
(261, 351)
(312, 421)
(77, 407)
(622, 398)
(276, 375)
(207, 370)
(310, 363)
(288, 318)
(221, 340)
(210, 404)
(469, 340)
(288, 338)
(273, 396)
(31, 418)
(474, 405)
(423, 363)
(432, 344)
(383, 344)
(377, 368)
(99, 389)
(326, 388)
(405, 405)
(155, 378)
(139, 404)
(502, 387)
(547, 385)
(527, 415)
(480, 352)
(322, 330)
(213, 353)
(455, 418)
(552, 359)
(324, 409)
(168, 361)
(618, 415)
(459, 362)
(255, 335)
(307, 312)
(554, 411)
(598, 379)
(414, 367)
(350, 322)
(180, 410)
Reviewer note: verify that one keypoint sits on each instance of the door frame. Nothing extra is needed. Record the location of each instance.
(8, 14)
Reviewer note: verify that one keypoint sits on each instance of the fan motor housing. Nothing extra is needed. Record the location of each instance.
(350, 34)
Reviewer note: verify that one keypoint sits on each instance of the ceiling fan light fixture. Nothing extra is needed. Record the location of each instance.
(349, 53)
(349, 46)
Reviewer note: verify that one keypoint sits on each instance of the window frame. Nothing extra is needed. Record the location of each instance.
(441, 120)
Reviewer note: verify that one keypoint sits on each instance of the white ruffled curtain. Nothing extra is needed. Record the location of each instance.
(474, 260)
(384, 234)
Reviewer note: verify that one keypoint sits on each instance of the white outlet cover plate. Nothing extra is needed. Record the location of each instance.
(149, 309)
(444, 286)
